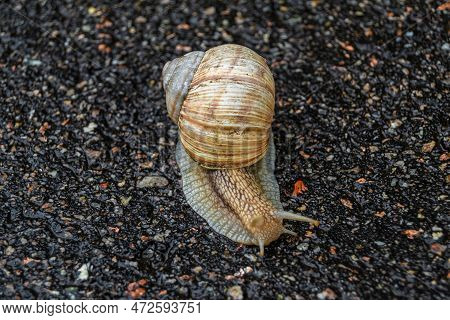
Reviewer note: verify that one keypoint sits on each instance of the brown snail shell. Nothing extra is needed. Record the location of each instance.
(223, 103)
(225, 119)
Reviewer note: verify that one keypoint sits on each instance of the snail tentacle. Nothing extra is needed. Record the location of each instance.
(261, 247)
(296, 217)
(287, 231)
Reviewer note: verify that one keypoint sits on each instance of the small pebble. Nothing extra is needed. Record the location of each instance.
(235, 293)
(91, 127)
(153, 181)
(83, 272)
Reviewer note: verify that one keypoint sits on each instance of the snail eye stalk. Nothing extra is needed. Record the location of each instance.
(291, 216)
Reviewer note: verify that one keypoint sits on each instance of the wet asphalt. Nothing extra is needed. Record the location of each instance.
(90, 193)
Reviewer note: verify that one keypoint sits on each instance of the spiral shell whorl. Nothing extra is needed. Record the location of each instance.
(226, 116)
(223, 102)
(177, 77)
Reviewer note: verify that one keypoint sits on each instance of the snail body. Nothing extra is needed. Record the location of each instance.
(223, 102)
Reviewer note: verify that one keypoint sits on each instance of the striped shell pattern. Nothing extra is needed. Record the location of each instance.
(223, 102)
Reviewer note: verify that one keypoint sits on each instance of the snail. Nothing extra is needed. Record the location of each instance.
(223, 102)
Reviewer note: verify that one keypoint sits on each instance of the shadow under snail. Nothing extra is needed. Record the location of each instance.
(223, 103)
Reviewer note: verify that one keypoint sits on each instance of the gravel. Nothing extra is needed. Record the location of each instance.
(361, 119)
